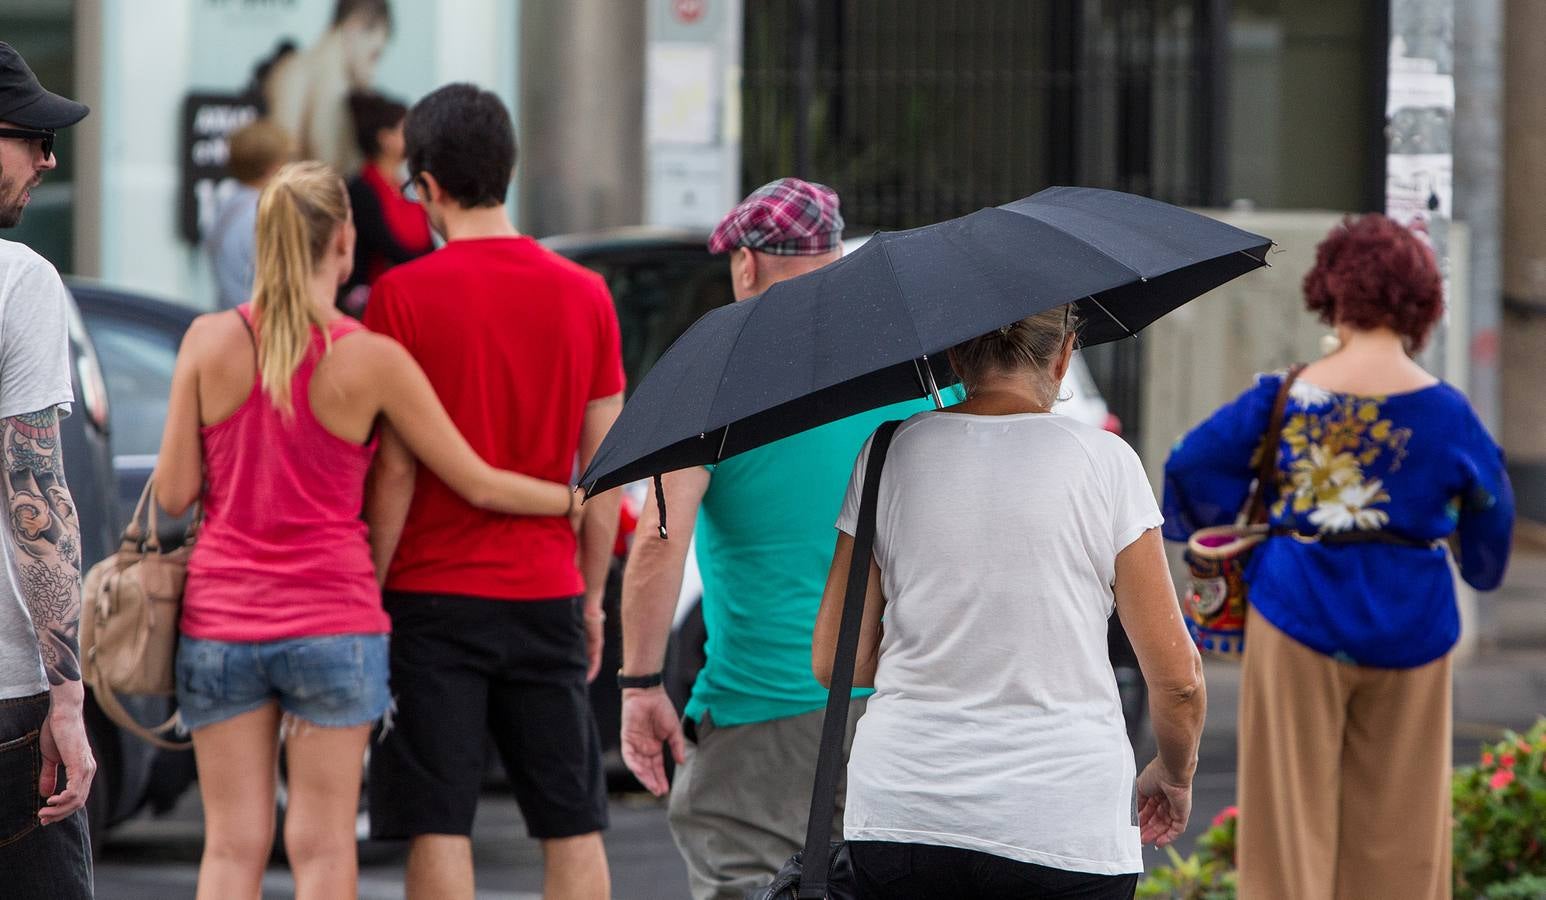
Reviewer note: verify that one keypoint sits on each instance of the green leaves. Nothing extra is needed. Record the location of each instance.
(1208, 874)
(1499, 832)
(1500, 819)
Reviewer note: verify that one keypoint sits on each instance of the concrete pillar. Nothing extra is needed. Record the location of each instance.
(1479, 190)
(1524, 260)
(581, 130)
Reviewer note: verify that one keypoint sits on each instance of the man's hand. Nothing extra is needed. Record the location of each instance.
(649, 722)
(595, 639)
(1164, 805)
(63, 742)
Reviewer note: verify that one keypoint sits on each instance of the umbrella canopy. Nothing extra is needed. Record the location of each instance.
(872, 328)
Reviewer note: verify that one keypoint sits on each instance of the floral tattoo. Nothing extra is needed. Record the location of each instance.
(46, 534)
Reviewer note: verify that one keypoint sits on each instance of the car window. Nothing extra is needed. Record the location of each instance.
(658, 296)
(137, 359)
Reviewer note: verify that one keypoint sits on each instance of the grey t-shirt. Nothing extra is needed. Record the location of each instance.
(232, 246)
(34, 375)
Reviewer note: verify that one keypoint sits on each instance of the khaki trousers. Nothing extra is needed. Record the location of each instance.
(1344, 775)
(740, 803)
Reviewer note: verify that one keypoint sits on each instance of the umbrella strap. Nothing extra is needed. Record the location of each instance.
(834, 727)
(660, 506)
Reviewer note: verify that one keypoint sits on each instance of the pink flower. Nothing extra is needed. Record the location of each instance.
(1227, 813)
(1502, 779)
(1487, 759)
(1507, 761)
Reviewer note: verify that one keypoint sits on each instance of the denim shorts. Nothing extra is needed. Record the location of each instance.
(334, 681)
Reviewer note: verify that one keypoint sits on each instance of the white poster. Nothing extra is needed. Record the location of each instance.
(682, 103)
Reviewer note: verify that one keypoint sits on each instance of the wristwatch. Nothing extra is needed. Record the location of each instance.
(639, 681)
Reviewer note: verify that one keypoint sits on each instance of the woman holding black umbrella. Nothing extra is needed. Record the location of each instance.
(1345, 690)
(993, 759)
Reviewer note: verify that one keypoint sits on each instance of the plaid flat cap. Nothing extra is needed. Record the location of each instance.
(787, 217)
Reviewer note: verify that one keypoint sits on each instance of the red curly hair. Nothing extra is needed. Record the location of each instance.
(1371, 272)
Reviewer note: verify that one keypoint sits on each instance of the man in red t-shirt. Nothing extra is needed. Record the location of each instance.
(496, 627)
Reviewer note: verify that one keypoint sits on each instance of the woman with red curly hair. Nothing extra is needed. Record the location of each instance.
(1344, 736)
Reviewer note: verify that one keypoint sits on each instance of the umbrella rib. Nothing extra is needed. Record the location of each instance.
(901, 295)
(1139, 275)
(731, 354)
(1120, 324)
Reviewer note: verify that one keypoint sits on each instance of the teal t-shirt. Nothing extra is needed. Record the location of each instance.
(765, 533)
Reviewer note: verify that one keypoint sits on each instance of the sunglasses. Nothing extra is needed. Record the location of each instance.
(28, 134)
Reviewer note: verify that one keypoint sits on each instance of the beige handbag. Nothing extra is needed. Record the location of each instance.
(129, 612)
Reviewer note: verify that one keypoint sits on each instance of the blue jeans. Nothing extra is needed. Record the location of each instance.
(334, 681)
(37, 861)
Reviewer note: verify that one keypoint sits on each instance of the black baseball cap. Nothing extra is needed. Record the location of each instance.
(24, 102)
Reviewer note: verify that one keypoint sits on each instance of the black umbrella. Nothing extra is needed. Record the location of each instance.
(872, 328)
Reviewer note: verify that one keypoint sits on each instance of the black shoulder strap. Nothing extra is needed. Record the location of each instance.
(251, 335)
(829, 764)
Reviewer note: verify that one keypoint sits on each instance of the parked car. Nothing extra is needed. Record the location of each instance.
(130, 773)
(663, 280)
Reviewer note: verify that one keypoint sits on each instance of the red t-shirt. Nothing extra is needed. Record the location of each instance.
(516, 341)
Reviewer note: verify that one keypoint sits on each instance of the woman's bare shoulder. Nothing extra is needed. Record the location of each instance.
(215, 331)
(367, 357)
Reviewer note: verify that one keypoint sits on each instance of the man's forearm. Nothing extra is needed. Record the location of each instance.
(45, 533)
(388, 497)
(598, 537)
(651, 585)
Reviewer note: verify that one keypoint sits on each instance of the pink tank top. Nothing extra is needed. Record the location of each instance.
(283, 550)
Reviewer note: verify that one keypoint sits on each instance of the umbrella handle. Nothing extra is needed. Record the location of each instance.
(660, 506)
(927, 372)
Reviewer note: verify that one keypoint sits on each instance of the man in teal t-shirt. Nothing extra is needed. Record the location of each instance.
(765, 535)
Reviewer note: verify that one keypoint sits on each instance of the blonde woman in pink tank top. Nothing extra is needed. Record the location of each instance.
(272, 423)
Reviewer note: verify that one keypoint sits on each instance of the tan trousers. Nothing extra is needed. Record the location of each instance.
(1344, 776)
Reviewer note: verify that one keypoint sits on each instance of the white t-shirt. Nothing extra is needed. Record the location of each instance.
(34, 375)
(996, 724)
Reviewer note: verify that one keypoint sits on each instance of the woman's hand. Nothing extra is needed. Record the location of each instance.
(1164, 805)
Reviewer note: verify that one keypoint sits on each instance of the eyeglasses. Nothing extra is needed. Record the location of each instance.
(28, 134)
(410, 189)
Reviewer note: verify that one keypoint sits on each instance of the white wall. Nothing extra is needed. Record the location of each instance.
(146, 55)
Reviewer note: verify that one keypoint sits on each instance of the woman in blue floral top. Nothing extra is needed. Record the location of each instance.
(1345, 690)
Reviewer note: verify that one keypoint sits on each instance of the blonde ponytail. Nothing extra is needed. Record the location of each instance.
(298, 212)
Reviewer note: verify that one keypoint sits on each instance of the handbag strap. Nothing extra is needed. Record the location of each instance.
(816, 857)
(1271, 449)
(107, 701)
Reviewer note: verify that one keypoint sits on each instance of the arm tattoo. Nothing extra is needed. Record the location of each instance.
(46, 535)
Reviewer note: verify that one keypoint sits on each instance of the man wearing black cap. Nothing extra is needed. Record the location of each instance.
(765, 536)
(44, 849)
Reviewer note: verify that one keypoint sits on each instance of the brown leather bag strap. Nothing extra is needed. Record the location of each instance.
(1267, 466)
(108, 702)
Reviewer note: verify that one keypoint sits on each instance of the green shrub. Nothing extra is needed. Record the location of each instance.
(1208, 874)
(1499, 833)
(1500, 819)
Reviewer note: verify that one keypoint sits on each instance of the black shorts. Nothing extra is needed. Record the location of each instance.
(464, 668)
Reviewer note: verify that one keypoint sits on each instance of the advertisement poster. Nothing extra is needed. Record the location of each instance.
(692, 113)
(1420, 116)
(296, 62)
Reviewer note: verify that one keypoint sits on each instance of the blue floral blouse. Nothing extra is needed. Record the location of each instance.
(1419, 465)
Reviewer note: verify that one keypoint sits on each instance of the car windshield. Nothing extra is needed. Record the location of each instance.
(138, 358)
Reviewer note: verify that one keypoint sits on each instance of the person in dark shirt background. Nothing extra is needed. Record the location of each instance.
(390, 228)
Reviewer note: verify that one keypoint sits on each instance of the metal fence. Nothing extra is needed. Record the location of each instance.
(921, 110)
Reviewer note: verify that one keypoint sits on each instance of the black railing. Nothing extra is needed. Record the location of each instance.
(921, 110)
